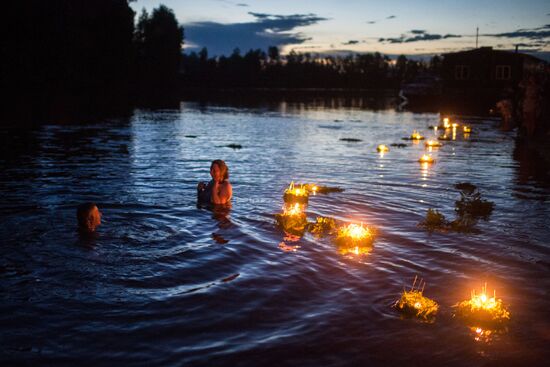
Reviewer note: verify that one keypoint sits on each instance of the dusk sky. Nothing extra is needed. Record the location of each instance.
(390, 27)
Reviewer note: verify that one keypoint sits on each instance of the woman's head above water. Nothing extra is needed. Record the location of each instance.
(219, 190)
(219, 171)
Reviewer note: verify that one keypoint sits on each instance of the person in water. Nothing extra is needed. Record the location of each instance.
(218, 190)
(88, 216)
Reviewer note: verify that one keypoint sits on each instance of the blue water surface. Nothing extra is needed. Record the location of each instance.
(167, 283)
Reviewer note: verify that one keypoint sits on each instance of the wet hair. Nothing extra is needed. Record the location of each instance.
(82, 213)
(222, 166)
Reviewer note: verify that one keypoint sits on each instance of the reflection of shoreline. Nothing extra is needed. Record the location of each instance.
(281, 98)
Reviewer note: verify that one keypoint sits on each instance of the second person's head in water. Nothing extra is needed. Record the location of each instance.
(88, 217)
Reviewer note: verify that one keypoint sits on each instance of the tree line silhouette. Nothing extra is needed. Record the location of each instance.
(259, 69)
(80, 56)
(92, 56)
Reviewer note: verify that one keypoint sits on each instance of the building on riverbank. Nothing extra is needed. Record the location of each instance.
(483, 78)
(486, 75)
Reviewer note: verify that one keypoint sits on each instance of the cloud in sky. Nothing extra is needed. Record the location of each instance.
(417, 35)
(266, 30)
(534, 38)
(376, 21)
(233, 3)
(539, 33)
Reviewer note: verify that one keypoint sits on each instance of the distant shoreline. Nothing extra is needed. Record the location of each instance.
(267, 89)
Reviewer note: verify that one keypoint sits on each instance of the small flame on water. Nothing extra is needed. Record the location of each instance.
(297, 191)
(432, 144)
(426, 159)
(355, 231)
(416, 135)
(482, 301)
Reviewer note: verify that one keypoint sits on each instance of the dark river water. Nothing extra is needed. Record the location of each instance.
(165, 283)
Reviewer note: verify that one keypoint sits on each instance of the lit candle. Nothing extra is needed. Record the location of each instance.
(483, 307)
(414, 303)
(426, 159)
(432, 144)
(355, 239)
(382, 148)
(416, 136)
(295, 194)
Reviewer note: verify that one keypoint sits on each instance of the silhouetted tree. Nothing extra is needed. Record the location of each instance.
(66, 55)
(273, 53)
(159, 39)
(296, 70)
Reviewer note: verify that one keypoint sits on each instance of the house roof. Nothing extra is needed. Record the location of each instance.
(486, 50)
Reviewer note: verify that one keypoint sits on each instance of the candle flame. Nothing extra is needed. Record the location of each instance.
(354, 239)
(416, 135)
(414, 303)
(482, 301)
(296, 191)
(355, 231)
(382, 148)
(426, 159)
(483, 307)
(432, 144)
